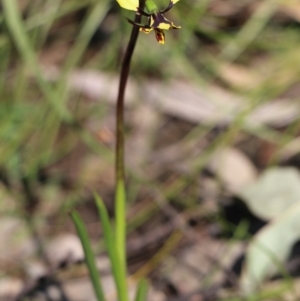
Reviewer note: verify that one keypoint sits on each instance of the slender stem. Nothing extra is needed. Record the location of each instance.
(120, 200)
(120, 169)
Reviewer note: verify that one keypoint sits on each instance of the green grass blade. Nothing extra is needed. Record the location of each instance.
(118, 271)
(121, 221)
(142, 290)
(89, 255)
(19, 35)
(95, 16)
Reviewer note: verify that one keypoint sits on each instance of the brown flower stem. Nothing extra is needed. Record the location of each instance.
(120, 169)
(120, 199)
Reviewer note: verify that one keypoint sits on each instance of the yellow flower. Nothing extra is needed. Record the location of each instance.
(156, 19)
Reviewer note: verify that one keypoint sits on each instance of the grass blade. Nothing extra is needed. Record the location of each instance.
(142, 290)
(89, 255)
(16, 27)
(109, 238)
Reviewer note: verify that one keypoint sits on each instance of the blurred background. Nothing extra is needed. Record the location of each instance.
(212, 148)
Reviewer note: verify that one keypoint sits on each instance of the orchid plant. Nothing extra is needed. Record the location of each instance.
(156, 18)
(115, 233)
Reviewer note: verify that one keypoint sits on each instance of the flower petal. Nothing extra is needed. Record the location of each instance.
(129, 4)
(164, 26)
(146, 30)
(170, 5)
(161, 22)
(160, 35)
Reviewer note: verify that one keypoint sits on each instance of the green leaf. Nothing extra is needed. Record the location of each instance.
(270, 248)
(89, 255)
(142, 290)
(109, 238)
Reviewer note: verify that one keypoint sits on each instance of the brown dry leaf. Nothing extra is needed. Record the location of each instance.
(224, 8)
(10, 288)
(65, 247)
(292, 9)
(196, 263)
(277, 113)
(35, 270)
(234, 169)
(239, 76)
(208, 105)
(82, 290)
